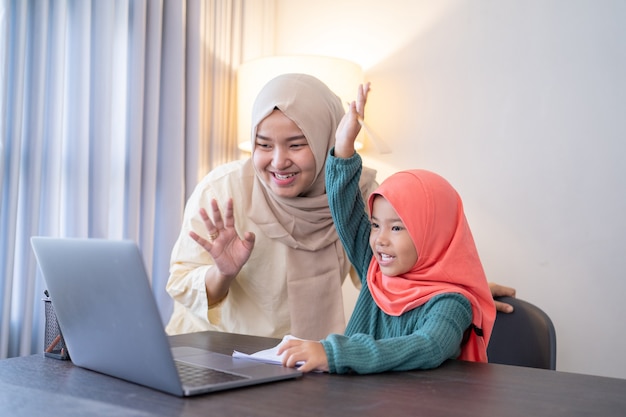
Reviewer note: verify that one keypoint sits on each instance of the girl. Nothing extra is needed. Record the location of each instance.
(424, 296)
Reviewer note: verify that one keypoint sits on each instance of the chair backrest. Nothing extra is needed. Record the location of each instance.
(525, 337)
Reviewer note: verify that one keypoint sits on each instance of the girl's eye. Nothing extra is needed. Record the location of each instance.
(374, 225)
(397, 228)
(263, 145)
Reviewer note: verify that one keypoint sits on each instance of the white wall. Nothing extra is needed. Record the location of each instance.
(521, 104)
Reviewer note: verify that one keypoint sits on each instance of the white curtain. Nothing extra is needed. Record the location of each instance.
(110, 111)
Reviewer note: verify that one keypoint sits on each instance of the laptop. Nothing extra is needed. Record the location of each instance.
(110, 322)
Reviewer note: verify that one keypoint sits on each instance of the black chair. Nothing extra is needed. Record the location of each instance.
(525, 337)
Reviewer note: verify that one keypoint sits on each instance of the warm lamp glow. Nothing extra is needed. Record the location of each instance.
(341, 76)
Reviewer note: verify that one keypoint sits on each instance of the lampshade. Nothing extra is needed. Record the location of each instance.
(341, 76)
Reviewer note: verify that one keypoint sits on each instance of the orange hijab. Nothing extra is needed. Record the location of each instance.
(448, 260)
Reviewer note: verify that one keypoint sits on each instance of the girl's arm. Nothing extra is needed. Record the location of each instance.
(437, 336)
(348, 209)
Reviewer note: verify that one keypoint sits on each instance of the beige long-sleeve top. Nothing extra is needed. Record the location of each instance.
(257, 301)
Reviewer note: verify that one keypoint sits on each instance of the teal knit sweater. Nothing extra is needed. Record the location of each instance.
(374, 341)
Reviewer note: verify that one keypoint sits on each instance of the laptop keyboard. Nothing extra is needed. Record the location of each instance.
(194, 376)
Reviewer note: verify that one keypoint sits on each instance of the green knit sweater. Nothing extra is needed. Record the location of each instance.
(374, 341)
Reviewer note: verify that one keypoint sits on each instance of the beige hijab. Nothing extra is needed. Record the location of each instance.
(304, 223)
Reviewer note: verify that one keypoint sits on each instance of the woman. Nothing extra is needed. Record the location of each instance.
(291, 281)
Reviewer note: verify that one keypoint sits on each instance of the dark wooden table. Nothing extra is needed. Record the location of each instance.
(38, 386)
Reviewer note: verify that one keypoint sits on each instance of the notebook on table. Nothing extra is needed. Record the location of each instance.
(111, 324)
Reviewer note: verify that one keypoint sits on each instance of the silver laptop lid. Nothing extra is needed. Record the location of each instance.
(105, 308)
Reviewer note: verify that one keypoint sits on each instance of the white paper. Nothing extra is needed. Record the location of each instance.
(268, 355)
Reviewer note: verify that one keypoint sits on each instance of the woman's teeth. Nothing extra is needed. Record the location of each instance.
(283, 177)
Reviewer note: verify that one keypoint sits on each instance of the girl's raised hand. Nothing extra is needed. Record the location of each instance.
(350, 124)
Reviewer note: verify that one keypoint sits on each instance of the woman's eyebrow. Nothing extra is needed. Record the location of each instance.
(292, 138)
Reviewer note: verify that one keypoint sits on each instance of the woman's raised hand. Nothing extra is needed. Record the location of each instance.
(228, 251)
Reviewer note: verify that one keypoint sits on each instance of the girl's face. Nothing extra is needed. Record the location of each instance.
(282, 156)
(390, 241)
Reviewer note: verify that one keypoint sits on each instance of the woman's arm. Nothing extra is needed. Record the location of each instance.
(228, 251)
(196, 278)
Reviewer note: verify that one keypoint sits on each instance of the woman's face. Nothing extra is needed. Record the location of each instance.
(282, 156)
